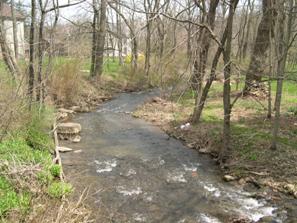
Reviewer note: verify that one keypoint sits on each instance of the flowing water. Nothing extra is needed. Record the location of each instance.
(137, 173)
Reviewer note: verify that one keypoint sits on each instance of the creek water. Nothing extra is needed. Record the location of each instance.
(137, 173)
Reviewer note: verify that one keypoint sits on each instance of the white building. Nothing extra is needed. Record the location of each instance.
(8, 28)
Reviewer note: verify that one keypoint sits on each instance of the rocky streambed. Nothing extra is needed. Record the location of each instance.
(137, 173)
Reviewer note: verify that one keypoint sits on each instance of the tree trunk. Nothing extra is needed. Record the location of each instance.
(32, 54)
(119, 32)
(147, 64)
(14, 27)
(248, 30)
(40, 55)
(132, 36)
(200, 105)
(284, 33)
(101, 39)
(227, 87)
(261, 45)
(200, 63)
(94, 39)
(6, 52)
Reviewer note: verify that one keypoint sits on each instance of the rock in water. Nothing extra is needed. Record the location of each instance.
(64, 114)
(69, 128)
(229, 178)
(63, 149)
(267, 220)
(76, 138)
(64, 110)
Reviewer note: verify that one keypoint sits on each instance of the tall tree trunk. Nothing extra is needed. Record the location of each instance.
(94, 38)
(120, 34)
(147, 63)
(6, 52)
(212, 76)
(248, 30)
(150, 14)
(40, 55)
(227, 87)
(200, 63)
(261, 45)
(15, 32)
(283, 33)
(101, 39)
(32, 53)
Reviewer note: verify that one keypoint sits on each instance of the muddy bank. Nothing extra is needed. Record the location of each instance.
(137, 173)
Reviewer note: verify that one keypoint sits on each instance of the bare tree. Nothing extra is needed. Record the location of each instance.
(94, 37)
(32, 53)
(284, 32)
(261, 45)
(100, 41)
(15, 33)
(203, 45)
(8, 58)
(227, 77)
(132, 36)
(119, 33)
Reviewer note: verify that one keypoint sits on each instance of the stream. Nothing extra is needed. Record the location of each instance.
(137, 173)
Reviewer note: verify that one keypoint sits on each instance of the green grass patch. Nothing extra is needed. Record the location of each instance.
(18, 150)
(27, 147)
(59, 189)
(10, 199)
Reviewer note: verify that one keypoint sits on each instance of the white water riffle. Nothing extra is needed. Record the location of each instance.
(105, 166)
(252, 208)
(128, 191)
(212, 189)
(176, 176)
(204, 218)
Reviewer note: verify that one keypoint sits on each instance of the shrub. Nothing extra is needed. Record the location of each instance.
(45, 177)
(65, 82)
(55, 170)
(37, 139)
(37, 133)
(59, 189)
(293, 110)
(13, 107)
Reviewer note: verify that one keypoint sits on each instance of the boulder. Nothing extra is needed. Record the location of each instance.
(69, 128)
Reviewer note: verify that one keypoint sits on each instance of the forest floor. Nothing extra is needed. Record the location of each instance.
(251, 159)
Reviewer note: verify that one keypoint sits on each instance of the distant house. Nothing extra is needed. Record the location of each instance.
(6, 18)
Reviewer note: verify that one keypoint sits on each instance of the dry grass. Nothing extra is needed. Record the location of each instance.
(65, 83)
(54, 211)
(13, 105)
